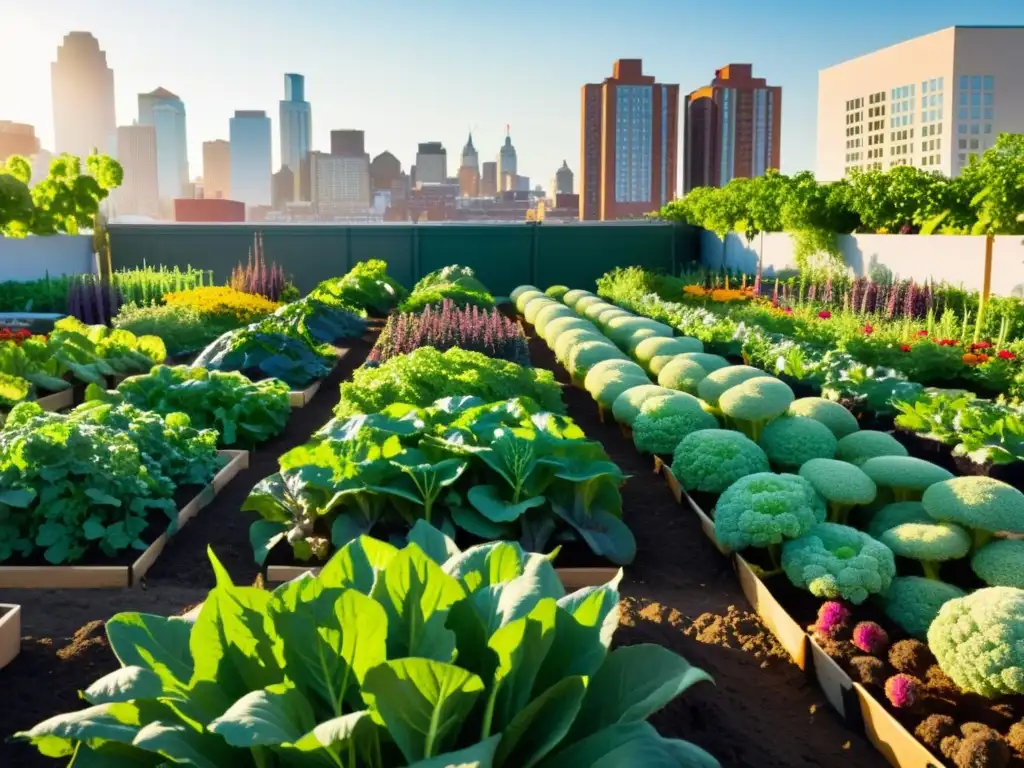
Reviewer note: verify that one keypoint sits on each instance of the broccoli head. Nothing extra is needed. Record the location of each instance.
(707, 361)
(1000, 563)
(585, 355)
(526, 297)
(573, 296)
(764, 509)
(620, 329)
(682, 374)
(660, 346)
(978, 640)
(607, 384)
(906, 476)
(836, 561)
(858, 447)
(710, 460)
(895, 514)
(717, 383)
(583, 302)
(792, 441)
(664, 420)
(984, 505)
(842, 485)
(549, 313)
(593, 310)
(913, 602)
(929, 543)
(751, 405)
(626, 407)
(560, 325)
(828, 412)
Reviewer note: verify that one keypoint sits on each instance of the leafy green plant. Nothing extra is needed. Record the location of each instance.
(243, 412)
(424, 656)
(147, 285)
(456, 284)
(184, 329)
(317, 321)
(366, 287)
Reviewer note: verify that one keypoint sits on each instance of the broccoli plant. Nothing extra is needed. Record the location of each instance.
(913, 602)
(842, 485)
(710, 460)
(753, 404)
(930, 543)
(1000, 563)
(665, 420)
(836, 561)
(983, 505)
(907, 477)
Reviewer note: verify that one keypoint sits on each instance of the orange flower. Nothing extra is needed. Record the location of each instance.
(970, 358)
(694, 290)
(982, 358)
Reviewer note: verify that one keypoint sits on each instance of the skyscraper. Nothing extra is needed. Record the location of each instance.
(83, 97)
(348, 142)
(469, 170)
(935, 102)
(733, 128)
(488, 180)
(138, 194)
(384, 171)
(251, 165)
(629, 144)
(217, 169)
(17, 139)
(507, 164)
(340, 184)
(431, 164)
(166, 113)
(562, 184)
(296, 128)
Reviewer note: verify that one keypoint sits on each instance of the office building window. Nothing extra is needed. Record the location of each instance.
(988, 127)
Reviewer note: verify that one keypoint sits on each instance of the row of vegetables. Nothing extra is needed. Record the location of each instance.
(847, 516)
(448, 638)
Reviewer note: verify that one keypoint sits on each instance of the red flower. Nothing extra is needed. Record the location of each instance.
(904, 347)
(1005, 354)
(922, 332)
(982, 358)
(980, 345)
(948, 342)
(788, 310)
(869, 329)
(824, 314)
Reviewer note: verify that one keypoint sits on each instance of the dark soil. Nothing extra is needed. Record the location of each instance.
(680, 593)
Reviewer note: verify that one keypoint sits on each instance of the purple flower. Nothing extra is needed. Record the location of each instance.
(870, 637)
(833, 617)
(901, 691)
(827, 298)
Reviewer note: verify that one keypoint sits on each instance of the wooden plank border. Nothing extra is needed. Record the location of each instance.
(10, 633)
(114, 576)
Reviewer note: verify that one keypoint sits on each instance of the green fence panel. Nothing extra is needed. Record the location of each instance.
(576, 256)
(394, 244)
(499, 254)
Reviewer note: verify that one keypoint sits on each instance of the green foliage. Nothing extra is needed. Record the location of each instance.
(16, 209)
(710, 460)
(366, 287)
(836, 561)
(626, 406)
(1000, 563)
(47, 294)
(606, 383)
(183, 328)
(908, 477)
(842, 485)
(931, 543)
(682, 374)
(458, 284)
(980, 503)
(978, 640)
(858, 447)
(147, 285)
(268, 349)
(894, 514)
(717, 383)
(665, 420)
(791, 441)
(831, 414)
(243, 412)
(424, 656)
(754, 403)
(557, 291)
(316, 321)
(427, 375)
(913, 602)
(764, 509)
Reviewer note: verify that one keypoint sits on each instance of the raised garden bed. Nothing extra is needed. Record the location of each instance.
(10, 633)
(55, 402)
(130, 573)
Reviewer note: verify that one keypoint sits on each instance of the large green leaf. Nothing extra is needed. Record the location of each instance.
(632, 745)
(347, 740)
(156, 643)
(433, 542)
(487, 500)
(331, 637)
(124, 684)
(486, 564)
(357, 564)
(596, 607)
(521, 646)
(592, 509)
(264, 535)
(480, 755)
(416, 594)
(183, 745)
(634, 682)
(422, 702)
(539, 727)
(274, 716)
(57, 736)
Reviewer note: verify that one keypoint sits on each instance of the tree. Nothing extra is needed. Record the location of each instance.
(15, 197)
(66, 200)
(998, 183)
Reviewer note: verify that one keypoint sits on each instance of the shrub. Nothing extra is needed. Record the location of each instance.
(978, 640)
(982, 504)
(791, 441)
(897, 513)
(606, 384)
(708, 362)
(573, 337)
(667, 419)
(682, 374)
(842, 485)
(710, 460)
(621, 329)
(753, 404)
(1000, 563)
(461, 295)
(549, 313)
(717, 383)
(661, 346)
(593, 310)
(828, 412)
(587, 354)
(557, 291)
(929, 543)
(763, 509)
(626, 407)
(906, 476)
(586, 301)
(836, 561)
(223, 305)
(858, 447)
(913, 602)
(555, 327)
(535, 305)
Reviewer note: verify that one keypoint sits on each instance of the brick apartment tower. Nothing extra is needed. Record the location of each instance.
(629, 143)
(733, 128)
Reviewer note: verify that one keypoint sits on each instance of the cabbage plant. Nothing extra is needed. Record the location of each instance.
(424, 656)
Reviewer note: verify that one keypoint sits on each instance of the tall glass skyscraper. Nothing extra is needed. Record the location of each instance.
(83, 97)
(166, 113)
(296, 127)
(251, 169)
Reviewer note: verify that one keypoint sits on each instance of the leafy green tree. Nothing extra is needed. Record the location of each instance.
(67, 200)
(998, 182)
(15, 198)
(767, 195)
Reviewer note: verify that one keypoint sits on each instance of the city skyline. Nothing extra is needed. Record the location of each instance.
(359, 86)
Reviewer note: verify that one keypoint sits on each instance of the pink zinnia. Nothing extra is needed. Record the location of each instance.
(870, 637)
(869, 329)
(832, 618)
(901, 690)
(824, 314)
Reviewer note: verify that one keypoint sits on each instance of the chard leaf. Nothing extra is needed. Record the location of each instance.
(265, 718)
(357, 564)
(521, 646)
(264, 535)
(592, 508)
(433, 542)
(540, 726)
(487, 500)
(124, 684)
(480, 755)
(633, 745)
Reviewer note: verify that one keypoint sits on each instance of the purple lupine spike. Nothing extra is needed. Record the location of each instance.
(827, 298)
(775, 293)
(894, 298)
(910, 299)
(812, 292)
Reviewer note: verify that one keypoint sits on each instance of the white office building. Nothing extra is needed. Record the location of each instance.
(340, 183)
(933, 102)
(251, 169)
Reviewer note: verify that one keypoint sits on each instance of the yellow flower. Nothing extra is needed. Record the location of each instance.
(245, 308)
(694, 290)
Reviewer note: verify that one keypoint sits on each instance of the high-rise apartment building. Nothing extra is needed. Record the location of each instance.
(83, 97)
(489, 180)
(340, 184)
(139, 193)
(166, 113)
(733, 128)
(508, 164)
(296, 118)
(251, 165)
(933, 102)
(431, 164)
(17, 139)
(217, 169)
(628, 152)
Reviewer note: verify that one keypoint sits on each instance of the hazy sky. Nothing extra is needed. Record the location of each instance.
(407, 71)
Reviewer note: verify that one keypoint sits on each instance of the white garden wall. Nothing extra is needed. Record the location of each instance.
(33, 257)
(943, 258)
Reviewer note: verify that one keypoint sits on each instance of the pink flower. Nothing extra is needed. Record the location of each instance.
(922, 332)
(833, 617)
(901, 690)
(824, 314)
(870, 637)
(788, 310)
(869, 329)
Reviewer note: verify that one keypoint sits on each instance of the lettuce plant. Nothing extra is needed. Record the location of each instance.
(424, 656)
